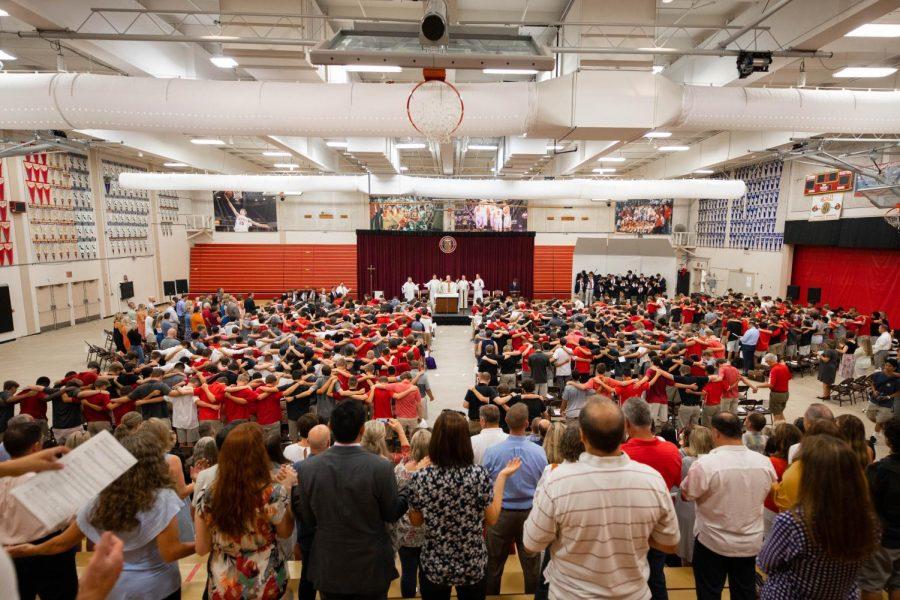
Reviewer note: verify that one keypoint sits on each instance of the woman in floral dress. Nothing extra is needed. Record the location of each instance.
(239, 518)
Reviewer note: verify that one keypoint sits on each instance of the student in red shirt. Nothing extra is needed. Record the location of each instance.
(239, 400)
(209, 399)
(644, 447)
(778, 384)
(268, 406)
(95, 408)
(582, 356)
(712, 396)
(381, 398)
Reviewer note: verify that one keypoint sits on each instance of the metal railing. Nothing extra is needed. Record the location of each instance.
(684, 239)
(198, 222)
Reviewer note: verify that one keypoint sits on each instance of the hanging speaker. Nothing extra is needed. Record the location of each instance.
(814, 295)
(793, 292)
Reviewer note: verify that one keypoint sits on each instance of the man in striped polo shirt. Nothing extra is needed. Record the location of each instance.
(601, 515)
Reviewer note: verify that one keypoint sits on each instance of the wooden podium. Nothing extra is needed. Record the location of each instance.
(446, 304)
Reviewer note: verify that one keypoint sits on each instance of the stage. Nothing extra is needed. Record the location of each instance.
(462, 317)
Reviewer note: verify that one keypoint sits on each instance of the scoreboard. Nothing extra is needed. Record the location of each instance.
(832, 182)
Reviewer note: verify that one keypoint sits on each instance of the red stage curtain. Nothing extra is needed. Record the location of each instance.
(851, 277)
(498, 257)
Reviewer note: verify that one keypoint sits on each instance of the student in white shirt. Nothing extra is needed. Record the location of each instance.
(882, 346)
(478, 290)
(490, 435)
(562, 363)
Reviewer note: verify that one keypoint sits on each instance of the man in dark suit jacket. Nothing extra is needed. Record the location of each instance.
(348, 494)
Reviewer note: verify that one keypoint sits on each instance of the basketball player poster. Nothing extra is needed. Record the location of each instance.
(243, 212)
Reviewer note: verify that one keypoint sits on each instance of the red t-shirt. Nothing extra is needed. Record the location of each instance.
(730, 377)
(235, 411)
(87, 377)
(218, 392)
(583, 366)
(763, 343)
(662, 456)
(121, 410)
(35, 406)
(406, 407)
(98, 399)
(381, 404)
(656, 394)
(779, 377)
(687, 314)
(714, 391)
(631, 390)
(780, 465)
(268, 409)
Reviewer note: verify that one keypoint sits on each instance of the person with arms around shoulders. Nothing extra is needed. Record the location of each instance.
(491, 434)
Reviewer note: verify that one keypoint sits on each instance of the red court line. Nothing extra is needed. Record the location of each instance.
(192, 573)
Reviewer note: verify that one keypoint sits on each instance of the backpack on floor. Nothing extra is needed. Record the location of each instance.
(430, 362)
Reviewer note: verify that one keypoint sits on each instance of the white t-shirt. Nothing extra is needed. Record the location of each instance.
(561, 355)
(8, 587)
(295, 453)
(184, 412)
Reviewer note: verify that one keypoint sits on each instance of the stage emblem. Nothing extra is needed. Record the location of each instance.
(447, 244)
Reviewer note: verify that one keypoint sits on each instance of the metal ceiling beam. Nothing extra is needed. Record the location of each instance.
(683, 52)
(65, 34)
(749, 26)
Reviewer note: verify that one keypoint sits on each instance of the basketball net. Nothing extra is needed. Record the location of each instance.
(434, 107)
(892, 216)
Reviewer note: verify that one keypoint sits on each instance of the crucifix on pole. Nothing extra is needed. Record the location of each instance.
(371, 271)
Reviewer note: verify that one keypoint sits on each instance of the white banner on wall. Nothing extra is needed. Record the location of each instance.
(825, 208)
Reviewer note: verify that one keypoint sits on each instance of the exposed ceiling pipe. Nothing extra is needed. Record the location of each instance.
(590, 105)
(487, 189)
(65, 34)
(765, 15)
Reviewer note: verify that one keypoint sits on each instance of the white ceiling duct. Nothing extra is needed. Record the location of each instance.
(488, 189)
(601, 105)
(847, 111)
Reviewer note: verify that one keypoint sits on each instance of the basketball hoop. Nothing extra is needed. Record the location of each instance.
(434, 107)
(892, 216)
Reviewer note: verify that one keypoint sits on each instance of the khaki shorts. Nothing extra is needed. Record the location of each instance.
(187, 436)
(879, 414)
(777, 402)
(881, 571)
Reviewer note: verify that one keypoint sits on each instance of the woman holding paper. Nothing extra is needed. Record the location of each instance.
(141, 509)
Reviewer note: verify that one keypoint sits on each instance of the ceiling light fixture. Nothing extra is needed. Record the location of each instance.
(404, 168)
(657, 69)
(864, 72)
(604, 170)
(207, 142)
(373, 69)
(876, 30)
(336, 144)
(220, 38)
(481, 147)
(175, 164)
(275, 153)
(4, 55)
(410, 146)
(552, 147)
(658, 134)
(285, 166)
(611, 159)
(704, 171)
(223, 62)
(509, 71)
(674, 148)
(3, 13)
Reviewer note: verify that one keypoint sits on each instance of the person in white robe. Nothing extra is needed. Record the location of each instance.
(410, 290)
(463, 286)
(434, 287)
(478, 290)
(448, 286)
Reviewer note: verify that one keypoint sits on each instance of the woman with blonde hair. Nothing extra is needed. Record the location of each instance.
(374, 439)
(166, 438)
(140, 508)
(552, 442)
(240, 517)
(700, 442)
(863, 354)
(76, 439)
(408, 540)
